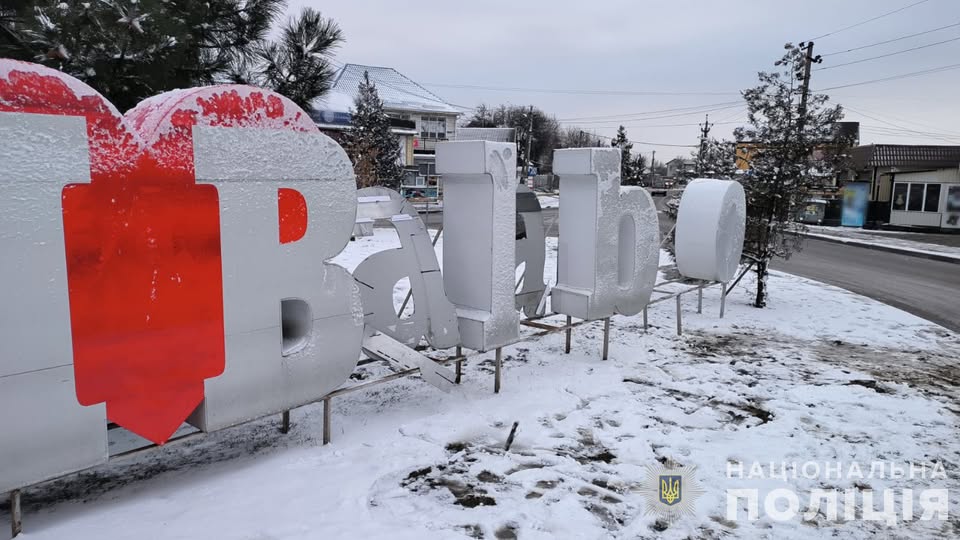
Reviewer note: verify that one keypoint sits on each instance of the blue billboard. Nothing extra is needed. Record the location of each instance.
(854, 204)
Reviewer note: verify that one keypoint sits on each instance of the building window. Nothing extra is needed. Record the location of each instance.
(900, 196)
(433, 127)
(427, 169)
(916, 197)
(931, 202)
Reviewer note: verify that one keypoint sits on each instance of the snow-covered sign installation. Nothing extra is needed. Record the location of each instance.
(610, 241)
(165, 264)
(170, 265)
(433, 317)
(479, 226)
(710, 229)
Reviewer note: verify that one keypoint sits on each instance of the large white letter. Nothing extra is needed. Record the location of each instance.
(609, 242)
(44, 431)
(710, 229)
(293, 322)
(433, 315)
(531, 250)
(479, 227)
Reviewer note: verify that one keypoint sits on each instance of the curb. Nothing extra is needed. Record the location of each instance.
(942, 257)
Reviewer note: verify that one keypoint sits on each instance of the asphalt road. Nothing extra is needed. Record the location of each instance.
(926, 288)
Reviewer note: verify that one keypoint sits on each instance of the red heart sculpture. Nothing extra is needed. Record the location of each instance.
(143, 241)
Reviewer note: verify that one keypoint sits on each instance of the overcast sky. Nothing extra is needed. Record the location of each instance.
(713, 47)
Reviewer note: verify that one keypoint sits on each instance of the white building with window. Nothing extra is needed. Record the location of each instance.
(419, 117)
(911, 185)
(926, 199)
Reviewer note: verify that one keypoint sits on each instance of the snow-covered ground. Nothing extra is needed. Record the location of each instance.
(890, 239)
(821, 375)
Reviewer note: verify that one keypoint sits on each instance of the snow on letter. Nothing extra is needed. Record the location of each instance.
(609, 249)
(479, 227)
(46, 431)
(293, 322)
(433, 315)
(143, 266)
(710, 229)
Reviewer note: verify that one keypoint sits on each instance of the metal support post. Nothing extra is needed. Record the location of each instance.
(326, 421)
(16, 517)
(700, 298)
(606, 337)
(723, 298)
(679, 317)
(645, 325)
(459, 364)
(569, 333)
(498, 365)
(285, 422)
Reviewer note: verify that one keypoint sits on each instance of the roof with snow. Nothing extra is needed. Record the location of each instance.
(486, 134)
(903, 155)
(397, 91)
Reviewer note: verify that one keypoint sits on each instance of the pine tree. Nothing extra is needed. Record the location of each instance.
(639, 164)
(129, 50)
(628, 165)
(372, 147)
(793, 150)
(717, 159)
(297, 65)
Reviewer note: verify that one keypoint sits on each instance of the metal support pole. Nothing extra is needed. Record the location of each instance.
(723, 298)
(679, 317)
(326, 421)
(16, 518)
(285, 422)
(459, 353)
(498, 365)
(606, 337)
(700, 299)
(569, 333)
(645, 325)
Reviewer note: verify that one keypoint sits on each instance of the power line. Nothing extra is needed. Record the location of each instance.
(648, 143)
(889, 54)
(892, 40)
(625, 115)
(894, 77)
(621, 120)
(914, 122)
(861, 23)
(674, 125)
(888, 132)
(577, 92)
(944, 136)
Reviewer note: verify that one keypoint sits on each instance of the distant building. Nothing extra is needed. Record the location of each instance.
(845, 135)
(678, 168)
(419, 117)
(911, 185)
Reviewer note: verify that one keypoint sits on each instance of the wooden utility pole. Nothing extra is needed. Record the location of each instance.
(704, 133)
(805, 91)
(653, 163)
(529, 143)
